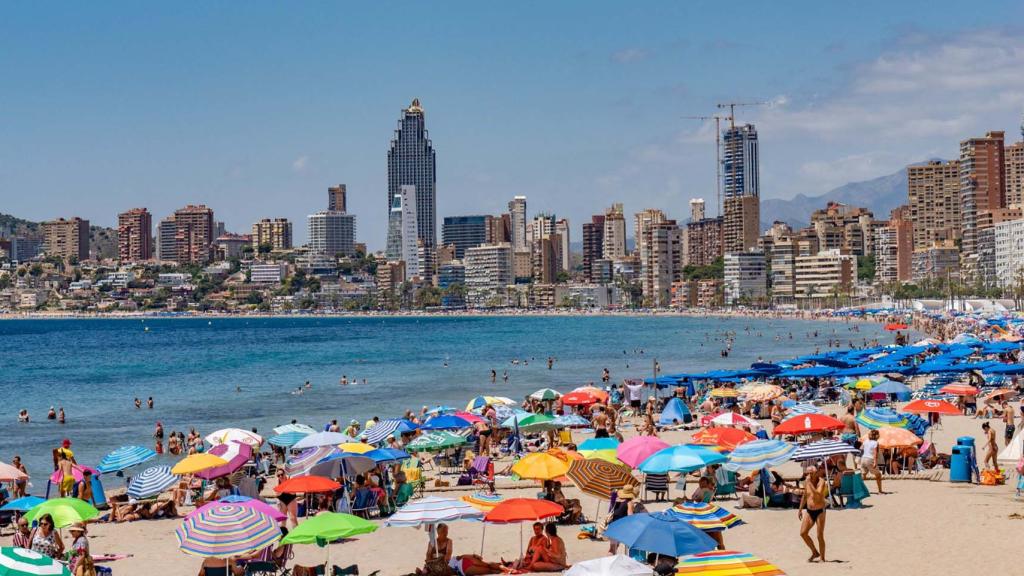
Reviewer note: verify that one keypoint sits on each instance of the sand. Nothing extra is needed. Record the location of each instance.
(934, 527)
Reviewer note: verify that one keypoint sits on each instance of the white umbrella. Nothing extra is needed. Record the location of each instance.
(226, 435)
(433, 510)
(733, 419)
(322, 439)
(302, 428)
(617, 565)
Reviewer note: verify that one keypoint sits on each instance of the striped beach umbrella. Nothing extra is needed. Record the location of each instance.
(303, 462)
(705, 516)
(546, 394)
(388, 428)
(226, 435)
(151, 482)
(256, 503)
(804, 408)
(226, 531)
(322, 439)
(23, 562)
(599, 477)
(235, 454)
(726, 563)
(682, 458)
(873, 418)
(759, 454)
(725, 393)
(482, 501)
(125, 457)
(734, 419)
(304, 429)
(822, 449)
(433, 510)
(286, 440)
(434, 441)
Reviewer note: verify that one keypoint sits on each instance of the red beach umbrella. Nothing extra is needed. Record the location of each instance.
(931, 407)
(522, 510)
(959, 390)
(306, 484)
(807, 424)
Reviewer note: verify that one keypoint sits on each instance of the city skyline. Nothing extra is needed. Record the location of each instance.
(205, 122)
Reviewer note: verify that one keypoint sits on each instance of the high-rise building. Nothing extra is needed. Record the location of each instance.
(403, 225)
(593, 245)
(499, 229)
(746, 277)
(276, 233)
(704, 241)
(641, 221)
(740, 162)
(488, 272)
(411, 162)
(940, 260)
(614, 233)
(194, 234)
(66, 238)
(894, 248)
(564, 251)
(933, 194)
(661, 259)
(544, 259)
(1009, 253)
(697, 209)
(982, 187)
(843, 227)
(1015, 175)
(517, 219)
(464, 232)
(741, 223)
(827, 273)
(331, 233)
(135, 235)
(336, 198)
(542, 226)
(166, 240)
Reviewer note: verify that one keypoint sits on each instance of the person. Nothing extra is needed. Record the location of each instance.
(45, 540)
(67, 477)
(288, 504)
(439, 554)
(61, 417)
(703, 493)
(599, 421)
(83, 489)
(851, 429)
(80, 563)
(353, 429)
(23, 535)
(21, 484)
(51, 414)
(1009, 420)
(552, 556)
(65, 448)
(149, 403)
(219, 565)
(138, 403)
(573, 509)
(812, 512)
(991, 448)
(869, 459)
(537, 541)
(634, 393)
(158, 435)
(625, 506)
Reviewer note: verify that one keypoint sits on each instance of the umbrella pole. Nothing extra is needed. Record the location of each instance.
(483, 534)
(520, 539)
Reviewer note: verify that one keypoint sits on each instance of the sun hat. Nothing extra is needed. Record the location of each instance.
(77, 527)
(627, 493)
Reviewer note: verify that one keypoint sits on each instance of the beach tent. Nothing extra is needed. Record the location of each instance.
(675, 412)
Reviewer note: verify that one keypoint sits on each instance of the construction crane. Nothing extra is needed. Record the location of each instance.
(732, 109)
(718, 155)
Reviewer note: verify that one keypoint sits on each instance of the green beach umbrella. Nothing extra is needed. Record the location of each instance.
(435, 441)
(530, 423)
(64, 511)
(325, 528)
(20, 562)
(546, 394)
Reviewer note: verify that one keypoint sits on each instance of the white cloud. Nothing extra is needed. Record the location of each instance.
(300, 164)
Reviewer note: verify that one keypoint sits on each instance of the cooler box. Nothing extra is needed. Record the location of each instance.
(960, 464)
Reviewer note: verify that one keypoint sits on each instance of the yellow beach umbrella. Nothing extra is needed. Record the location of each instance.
(355, 447)
(606, 455)
(725, 393)
(540, 466)
(197, 463)
(864, 384)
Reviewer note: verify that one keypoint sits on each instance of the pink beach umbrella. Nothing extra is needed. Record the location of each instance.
(638, 448)
(236, 453)
(253, 503)
(9, 473)
(76, 472)
(471, 418)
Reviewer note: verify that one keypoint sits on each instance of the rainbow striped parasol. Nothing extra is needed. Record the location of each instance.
(874, 418)
(483, 501)
(707, 517)
(226, 531)
(726, 563)
(759, 454)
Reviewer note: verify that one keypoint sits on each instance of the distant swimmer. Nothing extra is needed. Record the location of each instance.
(308, 385)
(551, 362)
(149, 403)
(61, 419)
(344, 380)
(238, 388)
(138, 403)
(23, 415)
(494, 375)
(52, 414)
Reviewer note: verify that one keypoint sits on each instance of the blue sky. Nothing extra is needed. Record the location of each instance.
(256, 108)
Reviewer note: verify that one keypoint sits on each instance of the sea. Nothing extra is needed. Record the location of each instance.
(245, 372)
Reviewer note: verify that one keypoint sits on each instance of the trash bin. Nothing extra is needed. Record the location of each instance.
(965, 441)
(960, 464)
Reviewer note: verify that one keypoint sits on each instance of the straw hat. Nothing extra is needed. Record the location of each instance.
(77, 527)
(626, 492)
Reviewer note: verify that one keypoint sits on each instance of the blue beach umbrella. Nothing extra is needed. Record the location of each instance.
(151, 482)
(445, 422)
(661, 533)
(804, 408)
(682, 458)
(598, 444)
(381, 455)
(874, 418)
(287, 440)
(125, 457)
(441, 410)
(388, 428)
(759, 454)
(890, 387)
(24, 503)
(823, 449)
(572, 421)
(811, 372)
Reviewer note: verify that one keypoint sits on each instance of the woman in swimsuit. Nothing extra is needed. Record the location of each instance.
(813, 501)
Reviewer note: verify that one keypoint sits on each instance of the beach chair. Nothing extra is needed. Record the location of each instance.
(215, 571)
(656, 484)
(852, 487)
(261, 569)
(725, 483)
(365, 504)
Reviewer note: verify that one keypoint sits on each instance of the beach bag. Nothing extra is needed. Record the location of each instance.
(1020, 466)
(992, 478)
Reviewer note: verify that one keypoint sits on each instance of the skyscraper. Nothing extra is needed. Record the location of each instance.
(403, 243)
(982, 186)
(1015, 173)
(66, 238)
(464, 232)
(332, 232)
(642, 221)
(933, 194)
(135, 235)
(194, 234)
(517, 213)
(166, 244)
(411, 162)
(742, 188)
(336, 199)
(565, 253)
(276, 233)
(593, 245)
(696, 209)
(614, 233)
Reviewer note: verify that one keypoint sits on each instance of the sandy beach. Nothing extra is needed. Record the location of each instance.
(922, 525)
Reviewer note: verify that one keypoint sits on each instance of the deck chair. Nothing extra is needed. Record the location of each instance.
(725, 483)
(363, 501)
(215, 571)
(260, 569)
(656, 484)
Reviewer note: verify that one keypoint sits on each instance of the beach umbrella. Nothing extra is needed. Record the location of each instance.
(343, 464)
(234, 435)
(959, 390)
(759, 454)
(286, 440)
(197, 463)
(892, 327)
(306, 485)
(927, 406)
(24, 562)
(151, 482)
(355, 447)
(9, 473)
(580, 398)
(540, 466)
(661, 533)
(441, 410)
(469, 417)
(77, 472)
(728, 438)
(803, 408)
(601, 395)
(725, 393)
(763, 392)
(446, 422)
(254, 503)
(481, 401)
(681, 458)
(24, 503)
(822, 449)
(890, 387)
(303, 462)
(889, 437)
(599, 478)
(381, 455)
(998, 394)
(572, 421)
(321, 439)
(301, 428)
(598, 444)
(225, 531)
(546, 394)
(734, 419)
(235, 455)
(387, 429)
(705, 516)
(434, 442)
(808, 424)
(328, 527)
(726, 563)
(482, 501)
(125, 457)
(635, 450)
(523, 510)
(433, 510)
(64, 511)
(862, 384)
(877, 417)
(530, 423)
(617, 565)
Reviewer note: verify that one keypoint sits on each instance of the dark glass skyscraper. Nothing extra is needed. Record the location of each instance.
(411, 162)
(464, 232)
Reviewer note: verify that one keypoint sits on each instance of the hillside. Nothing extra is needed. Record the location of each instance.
(102, 240)
(880, 195)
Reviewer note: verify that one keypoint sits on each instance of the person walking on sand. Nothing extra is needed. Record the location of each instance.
(869, 459)
(991, 447)
(812, 512)
(1009, 420)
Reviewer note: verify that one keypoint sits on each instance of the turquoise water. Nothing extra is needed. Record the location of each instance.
(191, 367)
